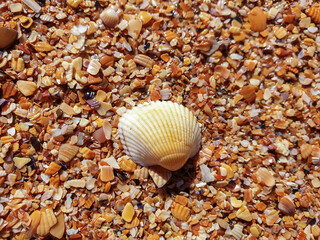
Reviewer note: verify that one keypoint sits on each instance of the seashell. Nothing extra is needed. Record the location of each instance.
(76, 183)
(106, 61)
(19, 162)
(87, 3)
(141, 173)
(160, 133)
(47, 220)
(67, 152)
(131, 66)
(244, 214)
(222, 71)
(314, 14)
(43, 47)
(249, 93)
(57, 230)
(47, 18)
(55, 181)
(257, 19)
(27, 88)
(134, 28)
(180, 212)
(9, 89)
(315, 155)
(67, 109)
(90, 201)
(128, 212)
(74, 3)
(237, 231)
(143, 60)
(32, 4)
(265, 177)
(94, 67)
(145, 17)
(126, 164)
(286, 206)
(110, 17)
(306, 150)
(106, 173)
(134, 223)
(35, 220)
(53, 168)
(159, 175)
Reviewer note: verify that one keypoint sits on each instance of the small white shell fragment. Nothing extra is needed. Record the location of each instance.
(160, 133)
(159, 175)
(206, 175)
(94, 67)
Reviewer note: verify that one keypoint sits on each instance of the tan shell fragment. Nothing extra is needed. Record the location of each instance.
(58, 229)
(306, 150)
(160, 133)
(67, 152)
(128, 212)
(27, 88)
(244, 214)
(53, 168)
(180, 212)
(257, 19)
(159, 175)
(315, 155)
(35, 220)
(143, 60)
(106, 174)
(314, 14)
(48, 220)
(265, 177)
(286, 206)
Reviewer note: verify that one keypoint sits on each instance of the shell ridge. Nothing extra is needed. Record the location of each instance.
(134, 129)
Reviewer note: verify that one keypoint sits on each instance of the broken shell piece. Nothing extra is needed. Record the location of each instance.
(128, 212)
(35, 220)
(265, 177)
(306, 150)
(180, 212)
(314, 14)
(58, 229)
(19, 162)
(160, 133)
(48, 219)
(53, 168)
(257, 19)
(134, 28)
(106, 174)
(315, 155)
(67, 152)
(159, 175)
(286, 206)
(27, 88)
(109, 17)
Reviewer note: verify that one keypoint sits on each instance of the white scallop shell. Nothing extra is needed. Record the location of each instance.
(160, 133)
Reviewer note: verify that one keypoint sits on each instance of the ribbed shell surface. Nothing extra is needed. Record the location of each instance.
(160, 133)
